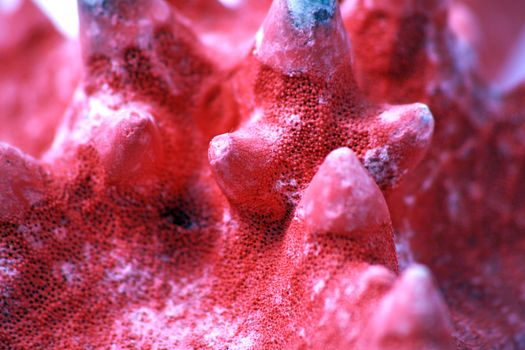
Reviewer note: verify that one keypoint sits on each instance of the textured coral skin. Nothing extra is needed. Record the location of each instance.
(245, 195)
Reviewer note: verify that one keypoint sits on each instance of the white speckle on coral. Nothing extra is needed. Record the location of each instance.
(381, 153)
(129, 277)
(256, 115)
(219, 147)
(288, 187)
(259, 36)
(31, 234)
(409, 200)
(330, 305)
(68, 271)
(230, 3)
(301, 332)
(390, 115)
(284, 183)
(312, 248)
(176, 325)
(226, 215)
(173, 310)
(7, 269)
(377, 161)
(243, 343)
(453, 204)
(294, 119)
(319, 286)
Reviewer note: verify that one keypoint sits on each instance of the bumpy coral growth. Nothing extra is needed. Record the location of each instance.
(219, 188)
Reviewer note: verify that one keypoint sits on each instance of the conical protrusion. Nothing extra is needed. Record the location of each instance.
(343, 200)
(405, 134)
(146, 51)
(299, 40)
(239, 162)
(144, 67)
(411, 316)
(126, 139)
(22, 182)
(130, 146)
(303, 36)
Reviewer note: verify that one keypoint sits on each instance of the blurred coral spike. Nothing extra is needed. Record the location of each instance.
(39, 70)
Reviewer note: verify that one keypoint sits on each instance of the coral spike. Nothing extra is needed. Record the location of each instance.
(129, 146)
(343, 200)
(407, 132)
(237, 161)
(412, 315)
(145, 51)
(304, 37)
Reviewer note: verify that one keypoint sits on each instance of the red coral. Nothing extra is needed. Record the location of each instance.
(35, 60)
(193, 198)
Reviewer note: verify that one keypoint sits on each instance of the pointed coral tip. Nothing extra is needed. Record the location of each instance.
(412, 315)
(308, 13)
(304, 36)
(343, 202)
(342, 197)
(407, 133)
(130, 146)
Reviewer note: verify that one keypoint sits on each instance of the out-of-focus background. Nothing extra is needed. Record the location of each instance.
(501, 38)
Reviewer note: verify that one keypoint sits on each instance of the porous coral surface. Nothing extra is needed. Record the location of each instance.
(216, 185)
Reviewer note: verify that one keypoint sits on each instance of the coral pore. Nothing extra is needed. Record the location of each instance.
(216, 184)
